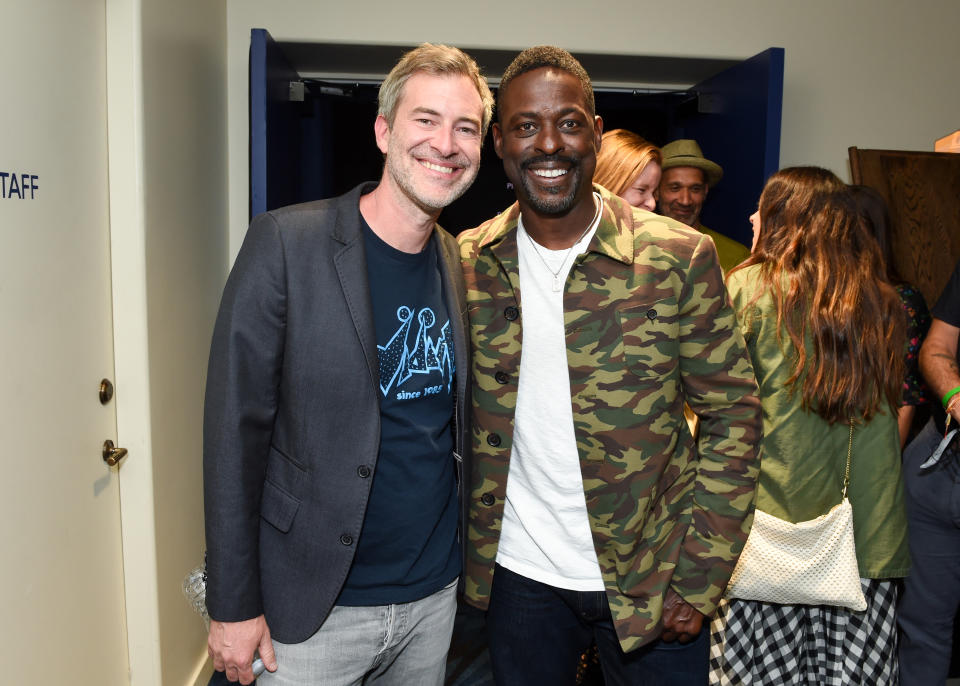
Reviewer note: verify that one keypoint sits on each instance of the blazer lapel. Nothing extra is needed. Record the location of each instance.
(351, 265)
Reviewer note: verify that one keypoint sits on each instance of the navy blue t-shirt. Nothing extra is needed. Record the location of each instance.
(408, 545)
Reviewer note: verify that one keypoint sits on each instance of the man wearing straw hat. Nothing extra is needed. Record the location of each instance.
(687, 177)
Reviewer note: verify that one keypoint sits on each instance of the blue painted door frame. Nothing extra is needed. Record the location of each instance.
(275, 136)
(738, 127)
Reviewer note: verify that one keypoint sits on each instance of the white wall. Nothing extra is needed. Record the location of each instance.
(167, 139)
(62, 572)
(870, 73)
(184, 53)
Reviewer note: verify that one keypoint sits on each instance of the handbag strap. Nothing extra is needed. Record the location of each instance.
(846, 474)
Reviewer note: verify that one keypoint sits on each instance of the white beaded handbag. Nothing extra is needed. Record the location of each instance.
(807, 563)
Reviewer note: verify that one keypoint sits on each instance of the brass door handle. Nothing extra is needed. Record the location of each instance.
(106, 391)
(111, 454)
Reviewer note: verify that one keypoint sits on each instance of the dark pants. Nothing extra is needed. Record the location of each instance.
(931, 593)
(536, 634)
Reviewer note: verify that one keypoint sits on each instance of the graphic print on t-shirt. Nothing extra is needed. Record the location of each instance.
(408, 544)
(401, 359)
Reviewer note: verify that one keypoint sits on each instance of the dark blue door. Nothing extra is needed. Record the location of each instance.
(737, 124)
(275, 136)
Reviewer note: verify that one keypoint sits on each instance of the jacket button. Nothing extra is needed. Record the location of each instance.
(511, 313)
(487, 499)
(501, 377)
(651, 314)
(493, 439)
(346, 539)
(363, 471)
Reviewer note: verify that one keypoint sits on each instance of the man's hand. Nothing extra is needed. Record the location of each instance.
(231, 645)
(681, 621)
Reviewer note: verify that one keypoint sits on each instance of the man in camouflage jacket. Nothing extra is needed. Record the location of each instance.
(647, 325)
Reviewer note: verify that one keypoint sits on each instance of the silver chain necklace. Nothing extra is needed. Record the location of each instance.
(557, 283)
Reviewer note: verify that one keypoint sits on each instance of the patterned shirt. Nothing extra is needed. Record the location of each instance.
(648, 325)
(915, 391)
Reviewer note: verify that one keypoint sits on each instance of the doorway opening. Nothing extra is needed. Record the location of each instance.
(312, 108)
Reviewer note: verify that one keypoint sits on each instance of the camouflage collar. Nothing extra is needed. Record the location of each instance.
(614, 237)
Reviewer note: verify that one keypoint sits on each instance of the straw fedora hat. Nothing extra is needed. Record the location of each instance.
(685, 152)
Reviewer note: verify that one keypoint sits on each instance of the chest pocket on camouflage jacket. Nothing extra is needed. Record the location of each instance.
(649, 335)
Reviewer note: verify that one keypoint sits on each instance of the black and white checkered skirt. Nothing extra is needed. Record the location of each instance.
(765, 644)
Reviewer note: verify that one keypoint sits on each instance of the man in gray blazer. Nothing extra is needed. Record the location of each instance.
(335, 409)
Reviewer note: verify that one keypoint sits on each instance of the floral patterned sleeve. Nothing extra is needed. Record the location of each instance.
(915, 391)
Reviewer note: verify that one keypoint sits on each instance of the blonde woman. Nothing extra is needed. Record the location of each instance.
(629, 166)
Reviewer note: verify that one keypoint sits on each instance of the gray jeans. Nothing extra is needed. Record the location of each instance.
(384, 644)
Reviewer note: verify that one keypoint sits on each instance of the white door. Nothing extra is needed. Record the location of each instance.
(61, 576)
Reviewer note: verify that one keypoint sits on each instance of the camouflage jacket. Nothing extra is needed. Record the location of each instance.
(648, 326)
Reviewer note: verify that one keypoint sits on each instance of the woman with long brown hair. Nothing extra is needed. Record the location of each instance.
(825, 333)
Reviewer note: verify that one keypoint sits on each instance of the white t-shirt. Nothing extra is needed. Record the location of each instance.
(545, 534)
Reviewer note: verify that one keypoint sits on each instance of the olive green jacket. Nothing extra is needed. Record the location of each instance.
(804, 458)
(730, 251)
(648, 326)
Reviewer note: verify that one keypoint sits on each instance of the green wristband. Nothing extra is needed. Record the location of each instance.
(946, 398)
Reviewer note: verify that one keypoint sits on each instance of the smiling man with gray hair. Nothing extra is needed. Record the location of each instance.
(334, 422)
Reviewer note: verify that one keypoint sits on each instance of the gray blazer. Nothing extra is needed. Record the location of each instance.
(292, 421)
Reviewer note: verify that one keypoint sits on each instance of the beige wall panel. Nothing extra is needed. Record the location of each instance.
(168, 199)
(62, 569)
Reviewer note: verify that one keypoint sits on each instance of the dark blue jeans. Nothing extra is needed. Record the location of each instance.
(536, 634)
(931, 594)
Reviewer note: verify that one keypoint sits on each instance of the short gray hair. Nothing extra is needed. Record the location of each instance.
(436, 60)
